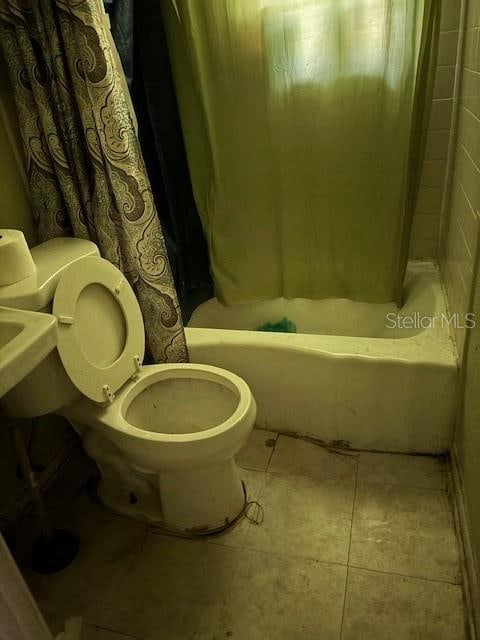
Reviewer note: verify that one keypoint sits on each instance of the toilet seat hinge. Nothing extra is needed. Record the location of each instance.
(137, 363)
(66, 320)
(107, 392)
(119, 286)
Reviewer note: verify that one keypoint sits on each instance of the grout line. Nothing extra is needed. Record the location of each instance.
(451, 154)
(344, 603)
(334, 478)
(469, 111)
(277, 554)
(470, 157)
(405, 575)
(471, 70)
(271, 453)
(404, 486)
(350, 544)
(121, 634)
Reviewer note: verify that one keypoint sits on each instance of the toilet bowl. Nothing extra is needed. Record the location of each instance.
(182, 423)
(164, 436)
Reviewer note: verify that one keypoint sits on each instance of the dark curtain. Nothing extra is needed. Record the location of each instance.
(121, 20)
(85, 169)
(138, 30)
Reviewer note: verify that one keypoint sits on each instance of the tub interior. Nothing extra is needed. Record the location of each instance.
(182, 406)
(424, 298)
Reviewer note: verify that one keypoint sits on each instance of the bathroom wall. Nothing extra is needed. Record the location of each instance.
(460, 227)
(467, 440)
(426, 225)
(50, 439)
(459, 262)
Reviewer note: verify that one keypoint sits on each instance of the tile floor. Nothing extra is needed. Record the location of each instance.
(352, 547)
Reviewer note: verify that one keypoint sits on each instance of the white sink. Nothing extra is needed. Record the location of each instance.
(26, 337)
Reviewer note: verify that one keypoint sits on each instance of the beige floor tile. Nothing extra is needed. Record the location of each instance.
(90, 632)
(174, 589)
(404, 530)
(301, 458)
(410, 471)
(279, 598)
(256, 454)
(381, 606)
(304, 517)
(254, 481)
(106, 551)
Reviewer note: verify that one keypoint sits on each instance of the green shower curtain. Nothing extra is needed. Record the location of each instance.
(304, 123)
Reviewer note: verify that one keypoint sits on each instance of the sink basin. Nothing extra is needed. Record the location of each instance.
(26, 337)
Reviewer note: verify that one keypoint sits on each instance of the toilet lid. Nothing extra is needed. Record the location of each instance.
(101, 339)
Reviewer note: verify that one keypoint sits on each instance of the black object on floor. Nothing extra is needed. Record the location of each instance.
(54, 553)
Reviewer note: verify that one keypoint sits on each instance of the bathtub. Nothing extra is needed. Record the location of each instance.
(355, 375)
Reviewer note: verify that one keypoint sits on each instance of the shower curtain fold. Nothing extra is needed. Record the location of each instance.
(163, 147)
(304, 123)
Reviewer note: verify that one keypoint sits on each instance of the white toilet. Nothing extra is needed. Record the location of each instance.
(163, 436)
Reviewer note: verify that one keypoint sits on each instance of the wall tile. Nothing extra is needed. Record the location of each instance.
(457, 252)
(425, 227)
(437, 145)
(468, 133)
(450, 15)
(423, 248)
(429, 201)
(433, 173)
(470, 95)
(462, 212)
(472, 49)
(441, 114)
(468, 174)
(447, 48)
(424, 240)
(473, 13)
(444, 81)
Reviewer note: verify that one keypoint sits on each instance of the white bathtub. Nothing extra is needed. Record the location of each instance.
(347, 377)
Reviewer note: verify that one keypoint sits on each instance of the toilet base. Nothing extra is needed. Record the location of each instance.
(154, 517)
(202, 500)
(193, 502)
(147, 511)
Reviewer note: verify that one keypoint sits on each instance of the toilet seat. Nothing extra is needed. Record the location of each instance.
(101, 339)
(155, 450)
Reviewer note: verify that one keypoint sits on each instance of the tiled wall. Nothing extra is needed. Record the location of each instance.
(426, 225)
(460, 229)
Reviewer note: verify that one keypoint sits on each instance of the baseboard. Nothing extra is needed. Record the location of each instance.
(470, 578)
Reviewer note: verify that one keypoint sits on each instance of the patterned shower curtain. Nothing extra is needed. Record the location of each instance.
(84, 165)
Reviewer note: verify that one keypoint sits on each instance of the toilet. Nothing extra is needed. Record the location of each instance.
(163, 436)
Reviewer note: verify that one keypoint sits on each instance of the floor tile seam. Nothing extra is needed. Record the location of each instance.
(137, 548)
(115, 631)
(404, 486)
(278, 554)
(404, 575)
(271, 453)
(306, 475)
(349, 545)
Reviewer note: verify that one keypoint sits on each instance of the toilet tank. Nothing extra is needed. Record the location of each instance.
(47, 388)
